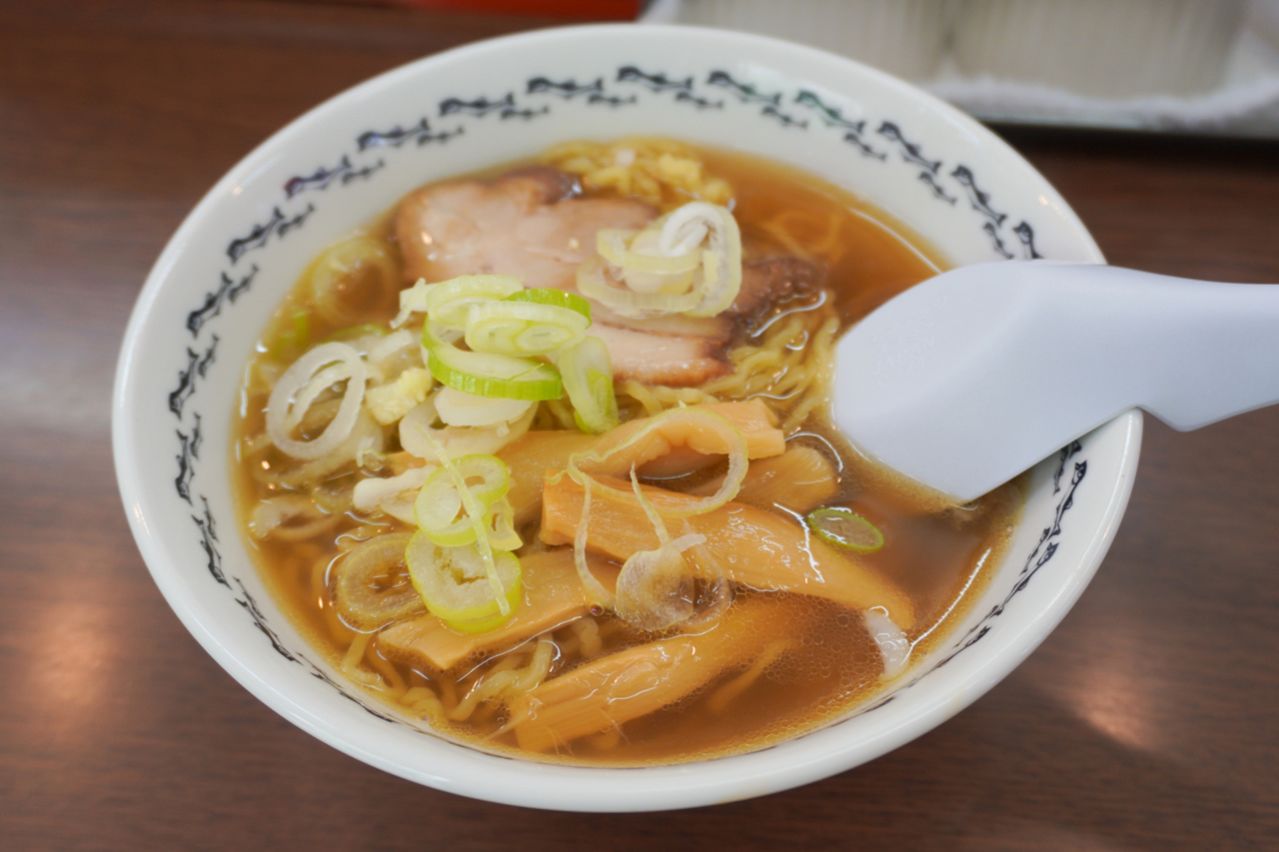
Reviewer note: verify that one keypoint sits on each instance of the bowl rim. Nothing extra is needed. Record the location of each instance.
(681, 785)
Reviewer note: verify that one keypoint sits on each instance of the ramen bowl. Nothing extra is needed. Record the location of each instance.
(231, 262)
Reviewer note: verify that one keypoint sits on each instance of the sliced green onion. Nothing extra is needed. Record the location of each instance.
(357, 274)
(476, 513)
(501, 526)
(594, 279)
(595, 590)
(587, 373)
(458, 408)
(537, 382)
(551, 296)
(361, 589)
(449, 302)
(293, 339)
(440, 507)
(617, 247)
(487, 374)
(420, 437)
(485, 476)
(457, 587)
(442, 333)
(636, 258)
(689, 261)
(721, 261)
(844, 528)
(412, 301)
(523, 328)
(438, 512)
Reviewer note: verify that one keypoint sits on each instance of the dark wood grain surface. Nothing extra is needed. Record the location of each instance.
(1150, 719)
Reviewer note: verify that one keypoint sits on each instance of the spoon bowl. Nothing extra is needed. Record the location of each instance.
(966, 380)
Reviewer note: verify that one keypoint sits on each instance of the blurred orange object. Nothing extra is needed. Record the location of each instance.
(594, 9)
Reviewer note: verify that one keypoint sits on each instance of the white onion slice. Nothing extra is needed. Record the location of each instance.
(280, 407)
(318, 384)
(390, 344)
(393, 494)
(654, 588)
(278, 517)
(893, 644)
(364, 343)
(412, 301)
(686, 228)
(366, 438)
(648, 277)
(459, 408)
(420, 437)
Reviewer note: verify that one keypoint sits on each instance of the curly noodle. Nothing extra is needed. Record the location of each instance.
(662, 172)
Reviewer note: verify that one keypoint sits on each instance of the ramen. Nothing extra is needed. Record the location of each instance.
(542, 458)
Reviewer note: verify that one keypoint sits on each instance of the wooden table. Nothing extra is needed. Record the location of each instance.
(1149, 719)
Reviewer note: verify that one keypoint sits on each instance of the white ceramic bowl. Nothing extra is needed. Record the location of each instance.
(238, 252)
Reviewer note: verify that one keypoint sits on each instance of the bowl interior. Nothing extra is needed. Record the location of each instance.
(237, 254)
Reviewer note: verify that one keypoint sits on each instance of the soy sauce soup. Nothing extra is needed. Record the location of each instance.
(805, 658)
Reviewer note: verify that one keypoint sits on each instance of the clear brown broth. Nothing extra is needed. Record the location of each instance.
(940, 558)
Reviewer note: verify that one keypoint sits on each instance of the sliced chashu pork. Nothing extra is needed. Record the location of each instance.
(529, 223)
(525, 223)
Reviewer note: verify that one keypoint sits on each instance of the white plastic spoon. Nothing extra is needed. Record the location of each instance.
(964, 381)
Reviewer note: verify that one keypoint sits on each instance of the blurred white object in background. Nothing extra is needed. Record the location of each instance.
(1104, 48)
(1197, 66)
(903, 37)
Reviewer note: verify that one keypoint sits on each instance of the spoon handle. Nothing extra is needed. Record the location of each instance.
(1190, 352)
